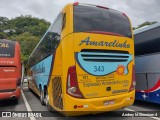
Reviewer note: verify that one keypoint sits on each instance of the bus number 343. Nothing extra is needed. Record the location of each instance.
(98, 68)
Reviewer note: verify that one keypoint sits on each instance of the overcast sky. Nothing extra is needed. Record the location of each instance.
(139, 11)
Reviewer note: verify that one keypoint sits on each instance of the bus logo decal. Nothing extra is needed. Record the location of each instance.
(4, 45)
(114, 43)
(120, 70)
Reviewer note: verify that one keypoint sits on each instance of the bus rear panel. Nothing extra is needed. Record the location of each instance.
(96, 56)
(10, 70)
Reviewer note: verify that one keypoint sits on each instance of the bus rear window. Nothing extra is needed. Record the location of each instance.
(7, 49)
(89, 18)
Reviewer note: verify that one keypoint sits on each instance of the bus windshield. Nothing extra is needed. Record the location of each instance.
(7, 49)
(89, 18)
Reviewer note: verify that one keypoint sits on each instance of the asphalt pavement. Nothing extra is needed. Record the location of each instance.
(29, 101)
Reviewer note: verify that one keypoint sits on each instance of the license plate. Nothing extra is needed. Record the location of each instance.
(109, 102)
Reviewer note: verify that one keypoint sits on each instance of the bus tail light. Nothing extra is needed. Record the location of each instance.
(133, 83)
(18, 82)
(72, 83)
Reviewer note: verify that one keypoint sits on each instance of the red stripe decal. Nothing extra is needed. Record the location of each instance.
(151, 89)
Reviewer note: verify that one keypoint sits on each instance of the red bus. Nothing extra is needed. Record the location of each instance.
(10, 70)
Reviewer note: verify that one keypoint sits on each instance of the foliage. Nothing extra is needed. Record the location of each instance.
(3, 35)
(34, 26)
(144, 24)
(3, 24)
(27, 43)
(27, 30)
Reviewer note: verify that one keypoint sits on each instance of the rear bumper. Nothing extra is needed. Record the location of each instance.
(10, 95)
(96, 105)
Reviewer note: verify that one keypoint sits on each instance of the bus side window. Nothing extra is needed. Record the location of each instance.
(64, 21)
(56, 32)
(45, 46)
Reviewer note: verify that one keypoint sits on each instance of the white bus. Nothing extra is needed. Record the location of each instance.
(147, 52)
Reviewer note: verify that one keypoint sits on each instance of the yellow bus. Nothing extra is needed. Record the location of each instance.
(84, 64)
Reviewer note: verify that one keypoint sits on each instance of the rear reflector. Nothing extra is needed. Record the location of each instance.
(80, 106)
(18, 82)
(130, 98)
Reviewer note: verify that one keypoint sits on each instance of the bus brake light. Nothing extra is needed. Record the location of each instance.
(102, 7)
(18, 82)
(76, 3)
(125, 15)
(72, 83)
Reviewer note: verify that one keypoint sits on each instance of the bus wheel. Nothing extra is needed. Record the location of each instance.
(41, 96)
(46, 97)
(15, 101)
(49, 108)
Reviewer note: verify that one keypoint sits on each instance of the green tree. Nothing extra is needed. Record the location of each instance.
(144, 24)
(3, 35)
(34, 26)
(27, 43)
(3, 24)
(27, 30)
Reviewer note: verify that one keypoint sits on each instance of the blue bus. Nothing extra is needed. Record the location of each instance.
(147, 52)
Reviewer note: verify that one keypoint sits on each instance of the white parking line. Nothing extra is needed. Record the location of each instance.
(25, 87)
(27, 105)
(156, 118)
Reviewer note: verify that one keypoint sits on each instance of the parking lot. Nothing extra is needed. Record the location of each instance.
(30, 102)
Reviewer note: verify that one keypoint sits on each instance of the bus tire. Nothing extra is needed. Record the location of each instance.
(15, 101)
(49, 107)
(41, 96)
(46, 97)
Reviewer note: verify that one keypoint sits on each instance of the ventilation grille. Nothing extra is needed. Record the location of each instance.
(95, 55)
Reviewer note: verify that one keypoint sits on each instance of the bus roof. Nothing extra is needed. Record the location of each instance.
(8, 41)
(143, 29)
(94, 5)
(75, 4)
